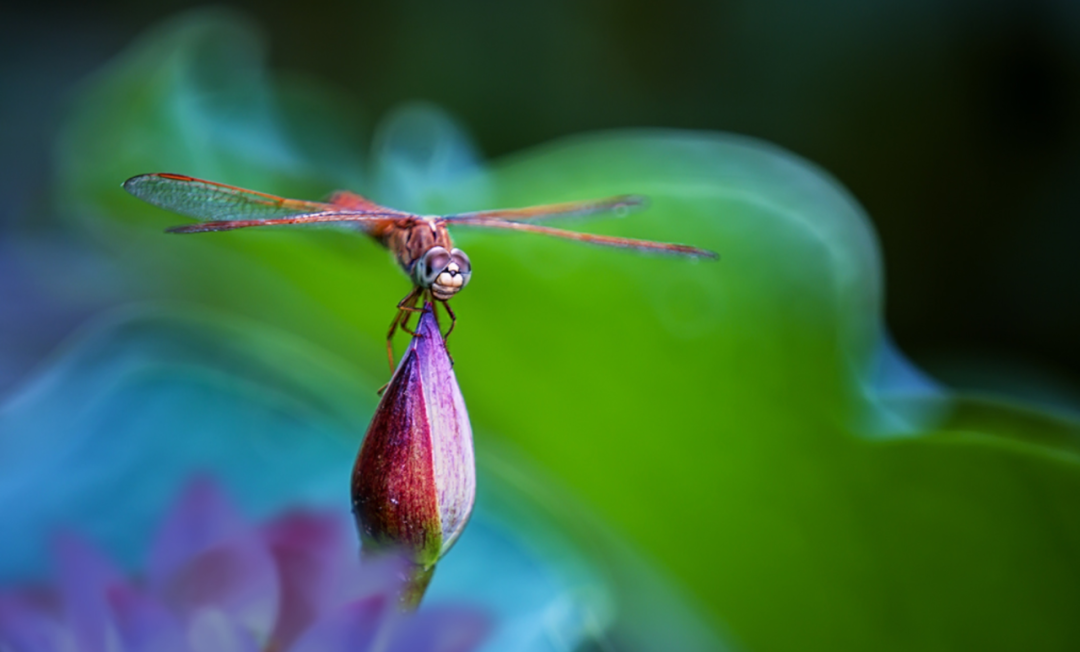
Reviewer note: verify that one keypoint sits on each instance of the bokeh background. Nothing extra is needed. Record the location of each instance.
(746, 430)
(954, 123)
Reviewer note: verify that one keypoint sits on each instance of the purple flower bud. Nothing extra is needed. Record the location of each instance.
(414, 482)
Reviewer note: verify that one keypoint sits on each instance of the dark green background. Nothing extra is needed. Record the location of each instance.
(956, 124)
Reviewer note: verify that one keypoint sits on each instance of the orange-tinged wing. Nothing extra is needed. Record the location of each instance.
(620, 204)
(367, 221)
(349, 200)
(223, 207)
(606, 240)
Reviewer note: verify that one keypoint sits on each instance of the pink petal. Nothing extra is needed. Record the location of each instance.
(380, 574)
(442, 629)
(85, 578)
(312, 552)
(26, 627)
(351, 628)
(237, 577)
(393, 487)
(453, 463)
(205, 556)
(214, 631)
(201, 518)
(143, 624)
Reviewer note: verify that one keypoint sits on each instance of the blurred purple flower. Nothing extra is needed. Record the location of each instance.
(414, 482)
(214, 584)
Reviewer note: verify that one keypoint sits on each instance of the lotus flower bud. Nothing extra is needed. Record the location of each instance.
(414, 482)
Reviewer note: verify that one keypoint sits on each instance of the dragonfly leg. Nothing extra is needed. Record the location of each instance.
(453, 322)
(390, 339)
(405, 308)
(435, 313)
(453, 319)
(406, 314)
(409, 302)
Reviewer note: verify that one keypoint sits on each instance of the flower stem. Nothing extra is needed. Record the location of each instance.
(416, 583)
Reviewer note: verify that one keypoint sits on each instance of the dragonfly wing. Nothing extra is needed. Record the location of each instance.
(620, 204)
(206, 200)
(371, 223)
(351, 201)
(606, 240)
(223, 208)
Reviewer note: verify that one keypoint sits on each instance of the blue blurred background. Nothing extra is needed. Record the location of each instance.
(735, 454)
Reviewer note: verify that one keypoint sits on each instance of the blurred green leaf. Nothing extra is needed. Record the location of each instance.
(719, 414)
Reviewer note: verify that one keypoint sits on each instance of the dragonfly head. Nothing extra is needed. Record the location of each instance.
(443, 272)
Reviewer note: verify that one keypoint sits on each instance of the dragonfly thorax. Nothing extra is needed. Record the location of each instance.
(443, 272)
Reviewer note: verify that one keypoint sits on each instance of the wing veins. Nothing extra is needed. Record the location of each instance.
(567, 209)
(606, 240)
(322, 217)
(211, 201)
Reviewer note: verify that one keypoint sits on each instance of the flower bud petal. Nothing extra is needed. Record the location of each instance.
(414, 482)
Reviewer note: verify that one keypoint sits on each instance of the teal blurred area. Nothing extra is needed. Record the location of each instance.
(674, 454)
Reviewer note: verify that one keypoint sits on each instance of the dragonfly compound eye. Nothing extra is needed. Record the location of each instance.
(445, 273)
(428, 268)
(464, 266)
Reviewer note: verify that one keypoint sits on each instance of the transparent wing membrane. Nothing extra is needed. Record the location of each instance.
(606, 240)
(224, 208)
(206, 200)
(366, 220)
(569, 209)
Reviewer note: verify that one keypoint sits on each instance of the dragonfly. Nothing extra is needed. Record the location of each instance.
(420, 244)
